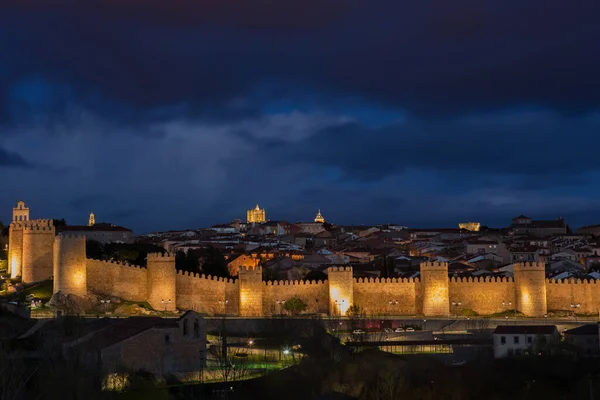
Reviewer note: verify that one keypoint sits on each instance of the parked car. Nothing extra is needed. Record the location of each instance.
(358, 331)
(399, 330)
(410, 329)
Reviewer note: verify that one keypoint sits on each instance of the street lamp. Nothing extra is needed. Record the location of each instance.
(424, 324)
(574, 307)
(281, 303)
(509, 305)
(105, 304)
(165, 302)
(224, 303)
(393, 303)
(456, 304)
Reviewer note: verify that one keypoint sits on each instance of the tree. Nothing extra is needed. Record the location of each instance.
(214, 263)
(59, 223)
(295, 305)
(94, 249)
(315, 275)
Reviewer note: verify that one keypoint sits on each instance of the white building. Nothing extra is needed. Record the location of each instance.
(511, 340)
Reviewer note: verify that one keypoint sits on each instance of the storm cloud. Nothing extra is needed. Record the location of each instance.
(178, 114)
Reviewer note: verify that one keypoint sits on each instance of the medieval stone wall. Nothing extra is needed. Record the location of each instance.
(122, 280)
(482, 295)
(15, 249)
(386, 296)
(207, 294)
(70, 271)
(562, 294)
(251, 291)
(314, 294)
(38, 249)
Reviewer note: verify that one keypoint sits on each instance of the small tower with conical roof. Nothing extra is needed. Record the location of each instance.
(92, 219)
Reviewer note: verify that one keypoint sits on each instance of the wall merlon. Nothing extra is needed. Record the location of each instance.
(161, 256)
(434, 265)
(530, 265)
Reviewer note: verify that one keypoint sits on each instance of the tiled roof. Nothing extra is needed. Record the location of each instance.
(589, 329)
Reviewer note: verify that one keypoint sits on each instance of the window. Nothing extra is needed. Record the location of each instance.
(167, 339)
(529, 339)
(516, 340)
(196, 328)
(185, 327)
(502, 339)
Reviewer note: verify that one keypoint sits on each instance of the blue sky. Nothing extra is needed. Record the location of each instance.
(166, 115)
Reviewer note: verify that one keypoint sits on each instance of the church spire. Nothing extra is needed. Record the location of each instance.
(92, 220)
(319, 218)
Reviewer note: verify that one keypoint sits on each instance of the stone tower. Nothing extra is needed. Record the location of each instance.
(15, 240)
(38, 248)
(70, 265)
(434, 287)
(92, 220)
(530, 287)
(257, 215)
(341, 289)
(162, 276)
(251, 287)
(15, 248)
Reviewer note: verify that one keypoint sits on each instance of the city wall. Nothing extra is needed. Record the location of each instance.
(36, 253)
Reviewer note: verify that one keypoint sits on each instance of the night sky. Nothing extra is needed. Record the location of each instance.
(168, 114)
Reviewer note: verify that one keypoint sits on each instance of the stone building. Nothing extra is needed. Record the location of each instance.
(101, 232)
(160, 346)
(257, 215)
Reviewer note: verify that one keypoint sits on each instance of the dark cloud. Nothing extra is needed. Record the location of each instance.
(128, 59)
(544, 147)
(183, 113)
(11, 159)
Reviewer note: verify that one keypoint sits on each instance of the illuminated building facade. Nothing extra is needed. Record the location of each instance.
(257, 215)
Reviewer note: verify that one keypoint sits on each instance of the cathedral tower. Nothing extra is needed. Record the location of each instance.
(257, 215)
(319, 218)
(92, 219)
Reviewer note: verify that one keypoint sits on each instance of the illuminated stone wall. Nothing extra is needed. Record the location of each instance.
(38, 248)
(530, 288)
(483, 295)
(562, 294)
(162, 291)
(435, 293)
(341, 289)
(386, 296)
(314, 294)
(251, 291)
(70, 272)
(207, 294)
(15, 249)
(117, 279)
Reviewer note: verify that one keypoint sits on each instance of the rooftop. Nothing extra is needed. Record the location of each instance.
(526, 329)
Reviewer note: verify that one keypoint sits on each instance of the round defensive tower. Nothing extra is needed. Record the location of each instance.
(162, 277)
(38, 248)
(434, 286)
(70, 275)
(15, 249)
(530, 285)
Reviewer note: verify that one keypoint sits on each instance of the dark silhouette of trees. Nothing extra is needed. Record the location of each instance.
(59, 223)
(315, 275)
(214, 263)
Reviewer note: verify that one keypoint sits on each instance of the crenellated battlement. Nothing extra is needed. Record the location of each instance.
(205, 277)
(161, 256)
(487, 279)
(248, 268)
(385, 280)
(16, 225)
(530, 266)
(436, 265)
(116, 263)
(65, 237)
(339, 269)
(294, 283)
(39, 225)
(571, 281)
